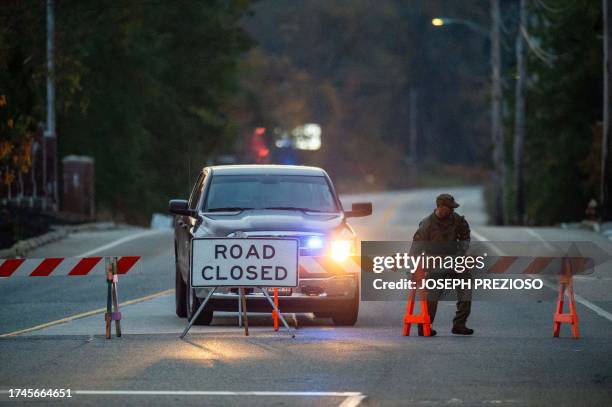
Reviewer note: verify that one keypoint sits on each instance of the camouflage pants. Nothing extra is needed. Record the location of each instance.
(463, 296)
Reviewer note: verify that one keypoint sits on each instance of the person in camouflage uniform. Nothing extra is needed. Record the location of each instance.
(445, 233)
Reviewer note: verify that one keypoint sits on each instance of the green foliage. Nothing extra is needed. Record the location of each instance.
(144, 87)
(20, 73)
(157, 79)
(564, 102)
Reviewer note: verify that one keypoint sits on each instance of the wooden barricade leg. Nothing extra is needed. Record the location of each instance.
(566, 283)
(245, 317)
(239, 308)
(116, 315)
(109, 282)
(112, 300)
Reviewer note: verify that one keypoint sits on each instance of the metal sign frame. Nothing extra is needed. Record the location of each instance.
(242, 296)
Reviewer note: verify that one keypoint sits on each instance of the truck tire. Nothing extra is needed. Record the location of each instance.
(347, 314)
(179, 295)
(192, 303)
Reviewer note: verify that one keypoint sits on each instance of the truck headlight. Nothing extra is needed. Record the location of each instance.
(341, 249)
(314, 242)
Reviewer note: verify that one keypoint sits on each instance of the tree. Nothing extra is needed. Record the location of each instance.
(144, 87)
(154, 86)
(606, 144)
(20, 73)
(564, 100)
(519, 116)
(349, 67)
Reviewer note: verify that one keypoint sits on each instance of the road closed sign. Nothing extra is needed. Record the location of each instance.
(230, 262)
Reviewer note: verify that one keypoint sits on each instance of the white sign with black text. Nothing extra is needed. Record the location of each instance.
(237, 262)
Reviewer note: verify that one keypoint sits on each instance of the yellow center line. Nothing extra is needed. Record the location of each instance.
(390, 210)
(85, 314)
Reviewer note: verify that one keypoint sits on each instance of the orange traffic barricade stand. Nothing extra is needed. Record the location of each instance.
(566, 284)
(422, 319)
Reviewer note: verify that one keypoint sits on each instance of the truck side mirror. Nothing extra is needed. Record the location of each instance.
(181, 207)
(359, 209)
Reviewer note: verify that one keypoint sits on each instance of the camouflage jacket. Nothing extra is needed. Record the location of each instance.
(449, 236)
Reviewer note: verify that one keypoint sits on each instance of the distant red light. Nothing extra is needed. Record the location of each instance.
(258, 145)
(263, 152)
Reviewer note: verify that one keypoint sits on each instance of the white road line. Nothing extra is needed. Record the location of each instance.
(390, 210)
(352, 399)
(598, 310)
(537, 236)
(215, 393)
(482, 237)
(120, 241)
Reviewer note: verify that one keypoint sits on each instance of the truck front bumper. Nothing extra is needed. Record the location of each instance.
(312, 295)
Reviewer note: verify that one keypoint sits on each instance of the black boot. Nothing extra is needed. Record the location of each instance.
(432, 332)
(462, 330)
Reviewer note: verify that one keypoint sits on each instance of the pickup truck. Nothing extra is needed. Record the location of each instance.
(260, 201)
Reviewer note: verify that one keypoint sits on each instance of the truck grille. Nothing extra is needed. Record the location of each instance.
(303, 238)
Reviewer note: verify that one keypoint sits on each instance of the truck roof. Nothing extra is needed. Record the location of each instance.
(249, 169)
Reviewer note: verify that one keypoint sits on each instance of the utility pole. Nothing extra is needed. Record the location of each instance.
(606, 143)
(519, 117)
(49, 138)
(497, 135)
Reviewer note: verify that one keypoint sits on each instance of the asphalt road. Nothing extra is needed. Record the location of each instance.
(511, 360)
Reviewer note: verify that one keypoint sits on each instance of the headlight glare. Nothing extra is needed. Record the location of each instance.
(341, 249)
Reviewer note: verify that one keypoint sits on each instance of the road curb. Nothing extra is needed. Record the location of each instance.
(22, 247)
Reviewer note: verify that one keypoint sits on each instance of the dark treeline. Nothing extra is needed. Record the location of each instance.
(155, 81)
(564, 110)
(142, 86)
(153, 90)
(350, 66)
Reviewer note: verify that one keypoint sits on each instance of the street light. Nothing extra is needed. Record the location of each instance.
(497, 136)
(477, 28)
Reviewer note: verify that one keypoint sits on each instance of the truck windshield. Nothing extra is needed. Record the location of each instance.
(285, 192)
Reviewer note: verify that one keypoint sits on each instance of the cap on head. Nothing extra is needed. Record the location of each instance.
(446, 200)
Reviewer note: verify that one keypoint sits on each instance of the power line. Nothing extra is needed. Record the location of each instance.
(545, 56)
(553, 10)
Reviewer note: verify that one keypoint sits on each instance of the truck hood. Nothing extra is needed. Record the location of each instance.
(222, 224)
